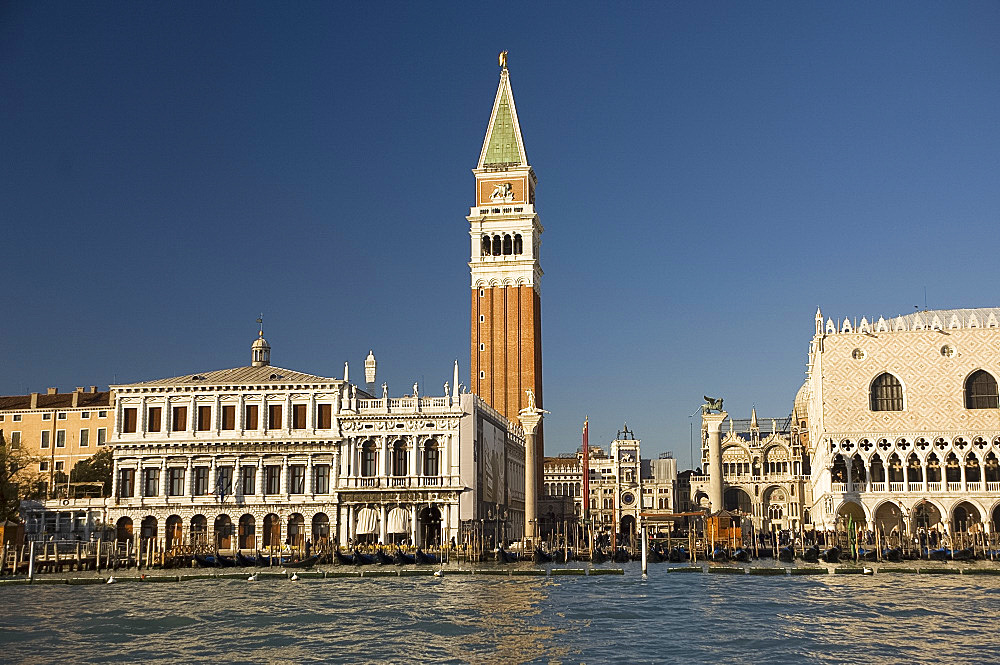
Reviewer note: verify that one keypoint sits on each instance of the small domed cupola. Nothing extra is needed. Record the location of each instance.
(260, 351)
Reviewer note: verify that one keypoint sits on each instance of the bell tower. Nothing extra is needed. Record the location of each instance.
(506, 277)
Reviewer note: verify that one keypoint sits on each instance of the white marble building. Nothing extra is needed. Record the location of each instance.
(259, 455)
(903, 420)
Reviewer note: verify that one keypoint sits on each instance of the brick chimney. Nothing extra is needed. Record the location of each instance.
(52, 391)
(93, 389)
(34, 400)
(76, 397)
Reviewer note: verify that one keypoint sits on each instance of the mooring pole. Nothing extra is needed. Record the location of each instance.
(31, 561)
(644, 548)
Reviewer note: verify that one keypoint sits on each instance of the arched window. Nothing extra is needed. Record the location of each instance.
(486, 246)
(431, 458)
(496, 245)
(518, 244)
(368, 459)
(981, 391)
(399, 458)
(508, 245)
(886, 393)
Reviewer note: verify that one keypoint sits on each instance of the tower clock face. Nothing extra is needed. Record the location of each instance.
(628, 498)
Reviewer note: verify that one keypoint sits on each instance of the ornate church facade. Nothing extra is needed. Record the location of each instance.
(902, 423)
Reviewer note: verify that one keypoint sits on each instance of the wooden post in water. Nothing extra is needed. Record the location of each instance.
(644, 546)
(31, 561)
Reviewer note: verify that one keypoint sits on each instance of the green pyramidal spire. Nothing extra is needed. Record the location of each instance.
(503, 147)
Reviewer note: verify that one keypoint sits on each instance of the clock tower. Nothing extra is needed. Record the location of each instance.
(505, 236)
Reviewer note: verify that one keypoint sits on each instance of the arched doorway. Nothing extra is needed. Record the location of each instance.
(995, 519)
(430, 526)
(148, 527)
(296, 531)
(965, 517)
(889, 519)
(926, 516)
(851, 514)
(123, 530)
(272, 531)
(247, 539)
(223, 532)
(736, 500)
(173, 530)
(775, 506)
(627, 529)
(320, 529)
(199, 531)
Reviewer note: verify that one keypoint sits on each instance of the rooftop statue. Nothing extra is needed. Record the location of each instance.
(711, 404)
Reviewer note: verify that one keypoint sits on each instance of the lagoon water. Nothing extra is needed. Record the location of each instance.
(684, 618)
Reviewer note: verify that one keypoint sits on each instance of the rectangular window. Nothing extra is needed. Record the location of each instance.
(248, 478)
(224, 480)
(204, 418)
(62, 416)
(298, 416)
(16, 417)
(46, 416)
(272, 479)
(201, 480)
(45, 438)
(321, 479)
(229, 417)
(102, 414)
(60, 465)
(325, 416)
(274, 416)
(60, 438)
(250, 417)
(85, 415)
(175, 481)
(129, 420)
(15, 440)
(85, 438)
(150, 482)
(155, 417)
(43, 466)
(102, 436)
(297, 478)
(179, 419)
(126, 482)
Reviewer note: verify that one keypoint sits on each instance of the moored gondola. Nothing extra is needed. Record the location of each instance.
(207, 560)
(343, 559)
(892, 554)
(719, 554)
(868, 555)
(245, 561)
(362, 559)
(503, 556)
(425, 558)
(308, 562)
(741, 555)
(383, 559)
(811, 555)
(831, 555)
(786, 555)
(940, 554)
(401, 558)
(599, 556)
(541, 556)
(678, 554)
(966, 554)
(621, 556)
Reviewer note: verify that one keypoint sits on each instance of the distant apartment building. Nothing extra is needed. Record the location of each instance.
(60, 429)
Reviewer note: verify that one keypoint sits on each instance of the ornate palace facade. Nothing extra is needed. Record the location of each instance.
(903, 421)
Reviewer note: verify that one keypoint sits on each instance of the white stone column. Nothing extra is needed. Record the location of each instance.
(530, 419)
(335, 471)
(168, 416)
(213, 479)
(188, 479)
(384, 457)
(237, 488)
(284, 477)
(311, 416)
(288, 413)
(310, 485)
(143, 417)
(413, 524)
(241, 415)
(381, 524)
(114, 478)
(163, 477)
(411, 466)
(259, 480)
(713, 422)
(192, 417)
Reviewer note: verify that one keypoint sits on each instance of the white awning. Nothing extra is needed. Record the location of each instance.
(399, 520)
(367, 521)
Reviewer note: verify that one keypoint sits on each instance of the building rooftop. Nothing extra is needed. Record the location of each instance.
(239, 375)
(56, 400)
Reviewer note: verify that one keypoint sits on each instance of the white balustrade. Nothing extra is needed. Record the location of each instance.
(878, 487)
(954, 487)
(839, 487)
(934, 487)
(974, 486)
(915, 487)
(992, 486)
(895, 487)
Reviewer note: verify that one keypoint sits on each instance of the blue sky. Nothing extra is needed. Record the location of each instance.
(709, 174)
